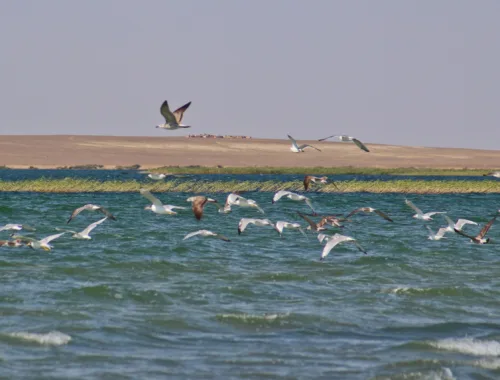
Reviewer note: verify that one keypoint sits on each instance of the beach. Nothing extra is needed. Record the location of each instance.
(54, 151)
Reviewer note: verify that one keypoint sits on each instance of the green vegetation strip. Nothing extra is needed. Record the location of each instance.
(71, 185)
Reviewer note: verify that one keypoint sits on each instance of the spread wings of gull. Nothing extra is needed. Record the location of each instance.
(91, 207)
(458, 225)
(244, 222)
(17, 227)
(358, 143)
(419, 214)
(206, 233)
(327, 220)
(237, 200)
(293, 197)
(157, 207)
(198, 204)
(370, 209)
(308, 179)
(438, 235)
(39, 244)
(480, 238)
(173, 119)
(299, 148)
(337, 239)
(280, 225)
(85, 234)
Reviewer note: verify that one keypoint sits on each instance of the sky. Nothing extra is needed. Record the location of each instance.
(412, 72)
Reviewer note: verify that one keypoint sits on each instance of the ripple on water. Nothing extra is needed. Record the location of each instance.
(52, 338)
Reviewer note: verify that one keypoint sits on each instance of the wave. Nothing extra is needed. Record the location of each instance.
(253, 318)
(441, 374)
(53, 338)
(445, 291)
(468, 346)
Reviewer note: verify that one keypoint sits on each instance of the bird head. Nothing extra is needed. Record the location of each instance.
(147, 207)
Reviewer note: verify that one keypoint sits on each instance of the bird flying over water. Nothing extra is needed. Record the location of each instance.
(280, 225)
(38, 244)
(479, 239)
(17, 227)
(493, 174)
(91, 207)
(85, 234)
(358, 143)
(438, 235)
(299, 148)
(205, 233)
(173, 119)
(419, 214)
(310, 178)
(331, 220)
(458, 225)
(293, 196)
(198, 204)
(370, 209)
(157, 207)
(244, 222)
(337, 239)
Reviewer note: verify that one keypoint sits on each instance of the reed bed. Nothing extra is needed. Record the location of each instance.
(72, 185)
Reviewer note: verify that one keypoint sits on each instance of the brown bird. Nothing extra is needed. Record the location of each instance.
(91, 207)
(199, 203)
(310, 178)
(331, 220)
(479, 239)
(369, 209)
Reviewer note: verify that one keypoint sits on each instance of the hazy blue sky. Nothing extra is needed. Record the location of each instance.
(398, 72)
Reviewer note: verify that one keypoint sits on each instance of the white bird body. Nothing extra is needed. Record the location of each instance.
(337, 239)
(156, 176)
(157, 207)
(438, 235)
(173, 119)
(458, 225)
(244, 222)
(44, 243)
(243, 202)
(280, 225)
(85, 234)
(205, 233)
(12, 227)
(419, 214)
(293, 196)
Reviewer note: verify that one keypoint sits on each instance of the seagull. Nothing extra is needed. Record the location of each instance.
(458, 225)
(493, 174)
(91, 207)
(333, 221)
(199, 203)
(280, 225)
(157, 207)
(173, 120)
(310, 178)
(17, 227)
(244, 222)
(359, 144)
(419, 214)
(38, 244)
(243, 202)
(479, 239)
(293, 197)
(206, 233)
(85, 233)
(297, 149)
(438, 235)
(370, 209)
(337, 239)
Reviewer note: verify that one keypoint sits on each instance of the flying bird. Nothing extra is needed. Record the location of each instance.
(206, 233)
(370, 209)
(438, 235)
(173, 119)
(480, 238)
(17, 227)
(38, 244)
(237, 200)
(299, 148)
(244, 222)
(458, 225)
(419, 214)
(331, 220)
(157, 176)
(157, 207)
(308, 179)
(85, 233)
(198, 204)
(280, 225)
(293, 197)
(91, 207)
(358, 143)
(337, 239)
(493, 174)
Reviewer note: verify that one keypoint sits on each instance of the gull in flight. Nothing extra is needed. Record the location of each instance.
(244, 222)
(173, 119)
(419, 214)
(91, 207)
(358, 143)
(157, 207)
(297, 149)
(337, 239)
(38, 244)
(331, 220)
(85, 233)
(310, 178)
(438, 235)
(370, 209)
(293, 197)
(493, 174)
(238, 200)
(198, 204)
(280, 225)
(17, 227)
(479, 239)
(206, 233)
(458, 225)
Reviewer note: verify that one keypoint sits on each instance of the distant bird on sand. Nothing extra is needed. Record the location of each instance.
(479, 239)
(91, 207)
(299, 148)
(458, 225)
(244, 222)
(358, 143)
(310, 178)
(293, 196)
(493, 174)
(157, 207)
(438, 235)
(173, 119)
(38, 244)
(370, 209)
(85, 233)
(198, 204)
(337, 239)
(419, 214)
(206, 233)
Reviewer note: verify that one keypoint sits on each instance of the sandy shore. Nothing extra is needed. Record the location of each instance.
(149, 152)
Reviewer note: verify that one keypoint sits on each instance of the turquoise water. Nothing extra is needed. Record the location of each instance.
(138, 302)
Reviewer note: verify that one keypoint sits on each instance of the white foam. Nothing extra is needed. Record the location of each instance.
(404, 289)
(487, 363)
(469, 346)
(53, 338)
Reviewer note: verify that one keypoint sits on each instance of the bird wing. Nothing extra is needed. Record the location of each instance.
(307, 180)
(313, 225)
(410, 203)
(243, 224)
(222, 237)
(79, 210)
(441, 232)
(451, 224)
(385, 216)
(310, 146)
(486, 228)
(231, 198)
(294, 142)
(24, 239)
(48, 239)
(462, 222)
(90, 227)
(280, 194)
(331, 243)
(65, 230)
(179, 112)
(190, 235)
(430, 231)
(326, 138)
(359, 246)
(147, 194)
(198, 204)
(360, 145)
(107, 213)
(167, 114)
(280, 225)
(354, 212)
(308, 202)
(254, 204)
(463, 234)
(434, 213)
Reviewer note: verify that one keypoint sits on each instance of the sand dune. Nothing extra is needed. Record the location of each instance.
(55, 151)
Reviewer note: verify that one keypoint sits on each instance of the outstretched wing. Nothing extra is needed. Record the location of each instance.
(385, 216)
(308, 202)
(451, 224)
(462, 222)
(307, 180)
(310, 146)
(326, 138)
(410, 203)
(280, 194)
(107, 213)
(354, 212)
(79, 210)
(179, 112)
(90, 227)
(463, 234)
(294, 142)
(190, 235)
(167, 114)
(48, 239)
(486, 228)
(360, 145)
(147, 194)
(313, 225)
(221, 237)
